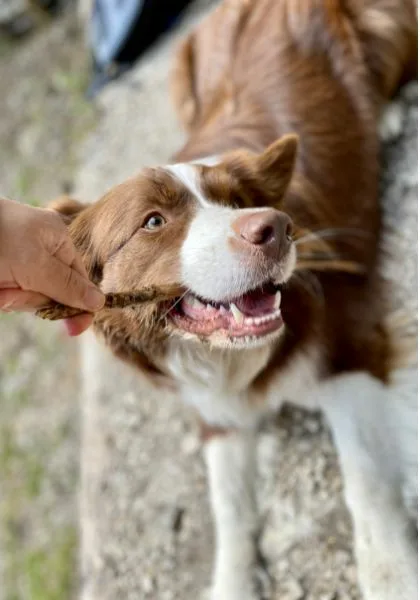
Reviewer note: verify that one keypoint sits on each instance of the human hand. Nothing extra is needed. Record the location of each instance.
(38, 262)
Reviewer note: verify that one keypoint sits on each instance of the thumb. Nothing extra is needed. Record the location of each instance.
(64, 284)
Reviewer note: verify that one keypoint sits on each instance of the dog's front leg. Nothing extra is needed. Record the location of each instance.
(231, 462)
(375, 431)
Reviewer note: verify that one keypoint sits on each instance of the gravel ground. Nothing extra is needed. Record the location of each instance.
(144, 519)
(146, 530)
(43, 119)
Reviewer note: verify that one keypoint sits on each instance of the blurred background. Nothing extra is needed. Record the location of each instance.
(76, 118)
(48, 76)
(44, 116)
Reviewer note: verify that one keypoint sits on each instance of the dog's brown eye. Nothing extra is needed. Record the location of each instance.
(154, 222)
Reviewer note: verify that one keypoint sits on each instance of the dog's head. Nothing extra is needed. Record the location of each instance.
(215, 230)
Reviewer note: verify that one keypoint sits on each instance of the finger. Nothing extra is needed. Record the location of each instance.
(66, 285)
(68, 254)
(21, 300)
(77, 325)
(78, 266)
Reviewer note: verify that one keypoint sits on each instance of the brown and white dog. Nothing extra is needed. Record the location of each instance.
(269, 220)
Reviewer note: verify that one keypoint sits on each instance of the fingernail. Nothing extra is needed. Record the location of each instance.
(94, 299)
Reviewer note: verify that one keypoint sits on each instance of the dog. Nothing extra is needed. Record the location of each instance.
(269, 219)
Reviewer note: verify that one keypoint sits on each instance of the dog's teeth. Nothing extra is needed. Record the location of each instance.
(277, 300)
(209, 307)
(194, 302)
(198, 304)
(237, 315)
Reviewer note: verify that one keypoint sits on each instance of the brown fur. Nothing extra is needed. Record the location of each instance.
(249, 74)
(322, 69)
(246, 180)
(123, 256)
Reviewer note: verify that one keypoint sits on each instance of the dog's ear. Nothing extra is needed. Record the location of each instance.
(264, 178)
(77, 217)
(276, 164)
(67, 208)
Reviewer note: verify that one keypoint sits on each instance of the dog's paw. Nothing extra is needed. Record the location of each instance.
(252, 585)
(234, 592)
(389, 581)
(392, 592)
(235, 586)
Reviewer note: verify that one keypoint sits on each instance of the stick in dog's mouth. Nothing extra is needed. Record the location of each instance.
(55, 311)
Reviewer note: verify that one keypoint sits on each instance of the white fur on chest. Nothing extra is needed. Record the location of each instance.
(298, 382)
(217, 382)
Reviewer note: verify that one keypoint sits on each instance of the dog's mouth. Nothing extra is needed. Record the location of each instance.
(254, 314)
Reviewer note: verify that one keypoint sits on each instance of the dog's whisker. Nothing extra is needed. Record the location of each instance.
(311, 283)
(318, 256)
(331, 233)
(331, 264)
(177, 301)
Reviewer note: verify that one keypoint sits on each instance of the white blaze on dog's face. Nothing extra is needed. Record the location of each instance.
(211, 229)
(233, 264)
(233, 261)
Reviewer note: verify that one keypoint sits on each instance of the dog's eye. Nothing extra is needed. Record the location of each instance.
(154, 222)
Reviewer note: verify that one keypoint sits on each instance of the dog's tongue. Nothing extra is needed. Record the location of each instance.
(257, 302)
(253, 313)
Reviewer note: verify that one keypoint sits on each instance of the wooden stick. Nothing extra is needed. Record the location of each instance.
(55, 311)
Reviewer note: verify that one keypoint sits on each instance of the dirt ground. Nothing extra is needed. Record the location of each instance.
(43, 119)
(144, 524)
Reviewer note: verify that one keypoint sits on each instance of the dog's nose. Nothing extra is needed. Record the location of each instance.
(268, 229)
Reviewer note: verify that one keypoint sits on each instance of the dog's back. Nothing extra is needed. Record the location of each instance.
(245, 51)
